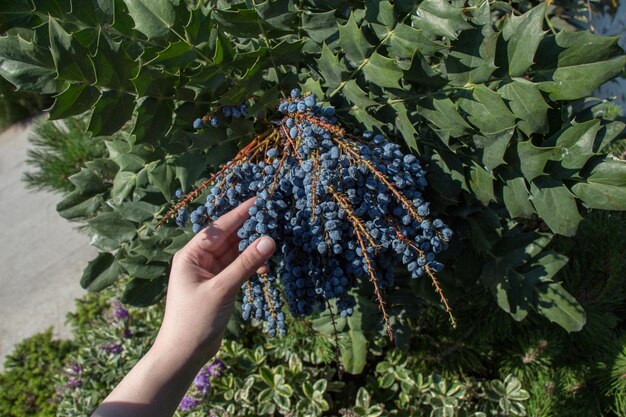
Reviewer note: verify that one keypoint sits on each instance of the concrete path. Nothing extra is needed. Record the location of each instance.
(41, 254)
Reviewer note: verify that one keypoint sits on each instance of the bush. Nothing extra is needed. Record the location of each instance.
(58, 151)
(493, 120)
(26, 387)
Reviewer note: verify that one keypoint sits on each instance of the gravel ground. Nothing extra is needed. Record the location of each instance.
(41, 254)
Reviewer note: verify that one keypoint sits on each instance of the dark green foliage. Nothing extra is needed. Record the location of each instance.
(17, 106)
(566, 374)
(58, 151)
(26, 387)
(510, 152)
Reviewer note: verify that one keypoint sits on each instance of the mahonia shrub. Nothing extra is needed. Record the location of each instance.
(495, 106)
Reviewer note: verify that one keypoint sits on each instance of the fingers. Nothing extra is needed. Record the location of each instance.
(246, 264)
(214, 238)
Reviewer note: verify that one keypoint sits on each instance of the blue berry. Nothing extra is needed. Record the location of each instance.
(198, 124)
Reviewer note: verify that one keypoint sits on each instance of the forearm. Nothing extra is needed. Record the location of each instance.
(154, 387)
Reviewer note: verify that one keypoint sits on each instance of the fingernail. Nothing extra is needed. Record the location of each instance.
(265, 246)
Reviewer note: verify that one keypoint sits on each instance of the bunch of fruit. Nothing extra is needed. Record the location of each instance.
(342, 208)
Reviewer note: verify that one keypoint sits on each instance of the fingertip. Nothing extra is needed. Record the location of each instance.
(266, 246)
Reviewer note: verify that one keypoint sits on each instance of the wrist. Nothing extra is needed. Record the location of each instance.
(177, 356)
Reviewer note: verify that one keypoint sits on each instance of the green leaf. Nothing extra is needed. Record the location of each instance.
(493, 147)
(578, 142)
(123, 185)
(76, 99)
(487, 111)
(354, 352)
(198, 28)
(523, 35)
(330, 68)
(27, 66)
(16, 13)
(545, 266)
(514, 291)
(114, 68)
(440, 18)
(137, 211)
(153, 18)
(405, 126)
(472, 57)
(527, 104)
(605, 188)
(356, 95)
(353, 42)
(404, 41)
(380, 15)
(444, 114)
(100, 273)
(71, 59)
(112, 111)
(94, 12)
(382, 71)
(570, 48)
(139, 267)
(556, 205)
(609, 172)
(154, 119)
(481, 183)
(144, 292)
(277, 14)
(162, 175)
(111, 226)
(560, 307)
(240, 23)
(320, 27)
(577, 81)
(532, 159)
(224, 51)
(516, 196)
(189, 167)
(446, 175)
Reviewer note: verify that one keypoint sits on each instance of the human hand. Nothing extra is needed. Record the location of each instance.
(204, 280)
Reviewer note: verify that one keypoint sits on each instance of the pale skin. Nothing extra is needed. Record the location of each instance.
(204, 281)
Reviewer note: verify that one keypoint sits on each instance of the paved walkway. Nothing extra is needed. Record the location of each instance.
(41, 254)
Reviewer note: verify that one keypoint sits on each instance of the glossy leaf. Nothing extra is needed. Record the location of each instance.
(153, 18)
(528, 105)
(71, 59)
(100, 273)
(27, 66)
(523, 35)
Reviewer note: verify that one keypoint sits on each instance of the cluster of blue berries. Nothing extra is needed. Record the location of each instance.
(215, 120)
(343, 210)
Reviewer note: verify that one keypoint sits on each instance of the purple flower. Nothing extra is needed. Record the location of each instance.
(74, 383)
(216, 368)
(76, 368)
(188, 403)
(113, 348)
(201, 381)
(121, 313)
(118, 312)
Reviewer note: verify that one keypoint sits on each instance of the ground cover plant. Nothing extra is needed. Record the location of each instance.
(255, 375)
(492, 100)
